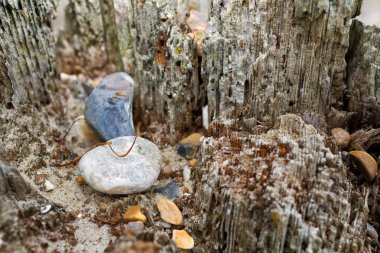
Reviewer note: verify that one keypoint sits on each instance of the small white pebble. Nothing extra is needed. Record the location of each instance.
(186, 173)
(225, 163)
(48, 186)
(205, 117)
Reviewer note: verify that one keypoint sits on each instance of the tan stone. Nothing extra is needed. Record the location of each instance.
(366, 163)
(341, 136)
(80, 180)
(40, 178)
(193, 162)
(194, 139)
(169, 211)
(182, 239)
(134, 214)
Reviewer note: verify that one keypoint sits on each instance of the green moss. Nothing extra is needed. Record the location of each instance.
(179, 50)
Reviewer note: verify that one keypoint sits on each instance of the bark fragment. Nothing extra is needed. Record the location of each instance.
(26, 53)
(165, 63)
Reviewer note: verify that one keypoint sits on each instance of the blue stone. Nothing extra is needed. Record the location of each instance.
(171, 190)
(109, 107)
(187, 150)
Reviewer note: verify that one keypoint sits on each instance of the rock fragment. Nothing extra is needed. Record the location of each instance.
(169, 211)
(366, 163)
(186, 173)
(341, 136)
(80, 180)
(194, 139)
(48, 186)
(40, 178)
(189, 146)
(134, 214)
(182, 239)
(170, 190)
(109, 107)
(167, 171)
(135, 227)
(193, 162)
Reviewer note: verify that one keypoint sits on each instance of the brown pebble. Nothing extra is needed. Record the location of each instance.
(193, 162)
(40, 178)
(366, 163)
(169, 211)
(182, 239)
(134, 214)
(167, 171)
(341, 136)
(193, 139)
(102, 206)
(80, 180)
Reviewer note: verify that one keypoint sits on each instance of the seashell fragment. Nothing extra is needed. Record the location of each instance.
(169, 211)
(366, 163)
(182, 239)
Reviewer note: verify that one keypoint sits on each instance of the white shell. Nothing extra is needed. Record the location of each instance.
(48, 186)
(108, 173)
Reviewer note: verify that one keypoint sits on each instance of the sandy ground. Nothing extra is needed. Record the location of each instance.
(84, 203)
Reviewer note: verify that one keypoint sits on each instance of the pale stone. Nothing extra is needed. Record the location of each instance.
(169, 211)
(48, 186)
(186, 173)
(106, 172)
(135, 227)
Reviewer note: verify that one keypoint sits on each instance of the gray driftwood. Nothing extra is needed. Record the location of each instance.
(28, 89)
(261, 60)
(261, 186)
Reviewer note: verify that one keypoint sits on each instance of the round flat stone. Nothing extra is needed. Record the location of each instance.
(108, 173)
(341, 136)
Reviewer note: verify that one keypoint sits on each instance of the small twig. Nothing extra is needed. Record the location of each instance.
(71, 126)
(109, 143)
(76, 160)
(127, 153)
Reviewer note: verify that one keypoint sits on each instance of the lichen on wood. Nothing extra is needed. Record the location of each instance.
(26, 53)
(265, 58)
(165, 63)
